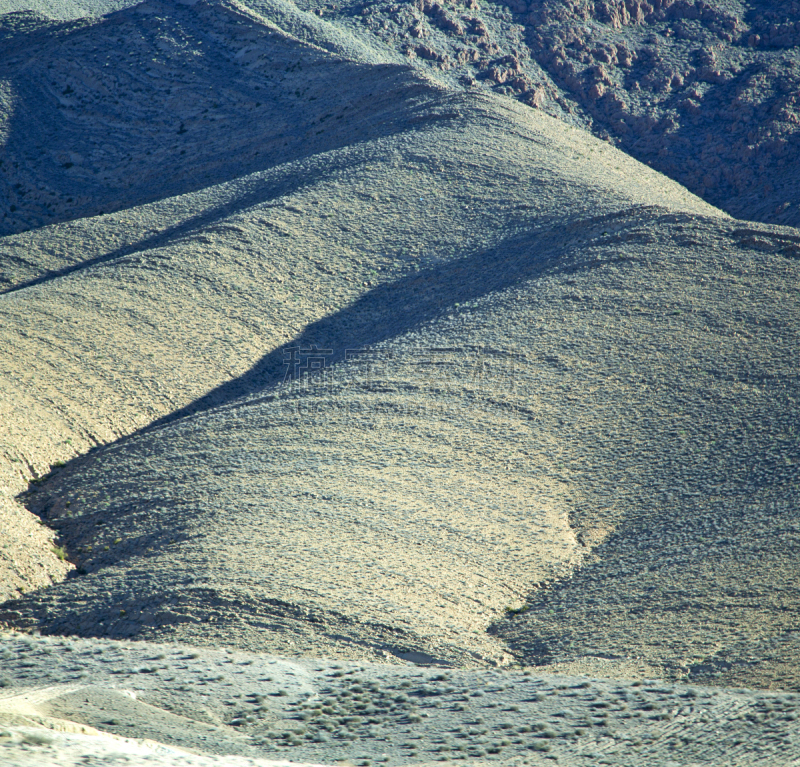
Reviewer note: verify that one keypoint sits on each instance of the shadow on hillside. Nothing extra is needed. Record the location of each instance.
(387, 311)
(399, 307)
(246, 118)
(266, 191)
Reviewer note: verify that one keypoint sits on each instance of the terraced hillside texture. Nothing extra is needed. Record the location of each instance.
(326, 343)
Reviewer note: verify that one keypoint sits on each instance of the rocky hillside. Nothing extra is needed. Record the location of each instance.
(320, 336)
(706, 93)
(389, 382)
(407, 394)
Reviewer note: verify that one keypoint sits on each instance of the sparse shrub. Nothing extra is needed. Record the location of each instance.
(37, 739)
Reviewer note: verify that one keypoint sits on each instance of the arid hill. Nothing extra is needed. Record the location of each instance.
(315, 344)
(706, 93)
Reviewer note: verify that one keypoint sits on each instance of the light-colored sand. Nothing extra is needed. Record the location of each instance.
(40, 747)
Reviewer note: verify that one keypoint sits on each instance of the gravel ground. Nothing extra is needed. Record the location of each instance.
(263, 708)
(403, 407)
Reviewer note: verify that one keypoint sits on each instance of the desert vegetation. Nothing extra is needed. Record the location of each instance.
(388, 383)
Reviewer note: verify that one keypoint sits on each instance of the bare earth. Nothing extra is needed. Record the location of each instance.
(354, 409)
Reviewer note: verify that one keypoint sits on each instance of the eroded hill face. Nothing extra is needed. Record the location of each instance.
(592, 428)
(449, 380)
(164, 98)
(656, 79)
(706, 93)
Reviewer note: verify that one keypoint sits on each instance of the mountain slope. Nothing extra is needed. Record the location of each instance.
(544, 378)
(402, 502)
(164, 98)
(115, 321)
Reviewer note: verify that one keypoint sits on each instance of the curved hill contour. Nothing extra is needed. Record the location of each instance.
(389, 370)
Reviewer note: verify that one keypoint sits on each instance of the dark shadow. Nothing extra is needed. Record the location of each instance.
(395, 308)
(744, 175)
(112, 137)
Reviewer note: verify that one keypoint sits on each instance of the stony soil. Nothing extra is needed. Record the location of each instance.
(324, 336)
(598, 408)
(706, 93)
(259, 707)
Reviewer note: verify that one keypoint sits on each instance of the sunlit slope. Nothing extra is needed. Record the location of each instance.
(535, 345)
(701, 581)
(532, 400)
(114, 322)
